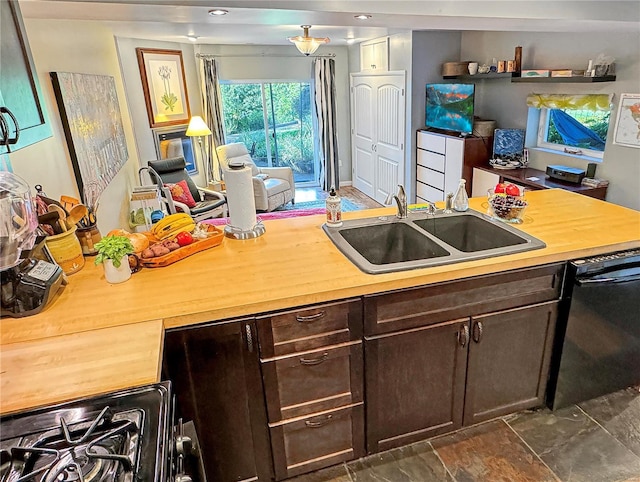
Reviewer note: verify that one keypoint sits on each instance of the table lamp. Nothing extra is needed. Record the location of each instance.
(198, 128)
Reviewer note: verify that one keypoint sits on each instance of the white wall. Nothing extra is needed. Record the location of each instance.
(81, 47)
(268, 62)
(505, 101)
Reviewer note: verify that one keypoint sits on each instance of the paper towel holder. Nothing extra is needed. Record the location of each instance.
(237, 233)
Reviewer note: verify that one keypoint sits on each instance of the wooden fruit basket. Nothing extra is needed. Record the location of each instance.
(215, 238)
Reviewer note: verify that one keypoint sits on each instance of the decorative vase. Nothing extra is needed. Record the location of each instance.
(117, 275)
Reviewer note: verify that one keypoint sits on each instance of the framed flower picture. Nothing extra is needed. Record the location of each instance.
(164, 86)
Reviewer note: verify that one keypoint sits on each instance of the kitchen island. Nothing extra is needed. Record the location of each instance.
(96, 337)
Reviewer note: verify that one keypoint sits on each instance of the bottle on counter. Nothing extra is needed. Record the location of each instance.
(334, 209)
(460, 199)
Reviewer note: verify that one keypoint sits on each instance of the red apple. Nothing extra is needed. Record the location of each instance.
(500, 188)
(512, 190)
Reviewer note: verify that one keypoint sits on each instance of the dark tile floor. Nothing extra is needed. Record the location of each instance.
(595, 441)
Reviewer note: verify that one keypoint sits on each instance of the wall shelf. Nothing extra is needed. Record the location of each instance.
(515, 77)
(567, 80)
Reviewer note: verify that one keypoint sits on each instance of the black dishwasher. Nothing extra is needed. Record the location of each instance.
(597, 348)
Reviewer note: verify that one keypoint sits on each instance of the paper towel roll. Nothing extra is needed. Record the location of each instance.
(240, 200)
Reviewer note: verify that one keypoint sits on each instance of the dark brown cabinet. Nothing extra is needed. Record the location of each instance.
(21, 101)
(215, 372)
(509, 355)
(450, 363)
(312, 367)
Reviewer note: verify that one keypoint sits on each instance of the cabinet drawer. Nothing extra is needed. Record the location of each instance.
(423, 306)
(430, 177)
(313, 381)
(431, 142)
(320, 440)
(310, 327)
(429, 193)
(431, 160)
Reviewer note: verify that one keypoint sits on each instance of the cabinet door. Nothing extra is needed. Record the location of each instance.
(215, 373)
(509, 356)
(19, 87)
(415, 383)
(374, 55)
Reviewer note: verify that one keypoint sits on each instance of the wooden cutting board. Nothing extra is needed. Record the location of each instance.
(160, 261)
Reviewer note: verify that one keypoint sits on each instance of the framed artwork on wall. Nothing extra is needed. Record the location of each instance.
(173, 142)
(164, 86)
(628, 122)
(90, 115)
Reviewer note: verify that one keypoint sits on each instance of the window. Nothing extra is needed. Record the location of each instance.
(573, 124)
(273, 119)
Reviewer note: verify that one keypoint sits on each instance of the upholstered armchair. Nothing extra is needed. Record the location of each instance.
(272, 186)
(199, 203)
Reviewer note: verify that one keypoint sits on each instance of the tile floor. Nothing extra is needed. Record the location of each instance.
(595, 441)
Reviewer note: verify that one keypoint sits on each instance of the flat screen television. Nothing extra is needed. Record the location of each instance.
(450, 107)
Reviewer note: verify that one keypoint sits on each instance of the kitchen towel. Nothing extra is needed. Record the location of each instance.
(240, 200)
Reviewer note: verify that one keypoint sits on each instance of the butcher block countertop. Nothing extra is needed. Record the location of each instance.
(96, 337)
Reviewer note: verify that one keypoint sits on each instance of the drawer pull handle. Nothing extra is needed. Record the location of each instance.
(310, 318)
(314, 361)
(319, 423)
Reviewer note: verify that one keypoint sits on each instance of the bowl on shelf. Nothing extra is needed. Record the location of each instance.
(506, 208)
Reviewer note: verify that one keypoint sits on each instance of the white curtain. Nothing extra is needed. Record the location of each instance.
(212, 112)
(325, 101)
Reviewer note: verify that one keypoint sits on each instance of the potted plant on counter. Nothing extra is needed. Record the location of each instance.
(113, 253)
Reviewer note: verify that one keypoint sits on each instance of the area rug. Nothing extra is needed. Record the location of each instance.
(347, 205)
(308, 208)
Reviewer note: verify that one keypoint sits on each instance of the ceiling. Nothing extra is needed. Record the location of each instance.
(270, 22)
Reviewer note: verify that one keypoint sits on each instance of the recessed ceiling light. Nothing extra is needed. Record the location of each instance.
(362, 16)
(192, 38)
(350, 40)
(216, 12)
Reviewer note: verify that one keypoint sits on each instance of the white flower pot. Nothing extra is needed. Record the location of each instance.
(117, 275)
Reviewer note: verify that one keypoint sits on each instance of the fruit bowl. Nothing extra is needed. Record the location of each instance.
(505, 207)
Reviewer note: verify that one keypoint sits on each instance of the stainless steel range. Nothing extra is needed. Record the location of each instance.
(121, 437)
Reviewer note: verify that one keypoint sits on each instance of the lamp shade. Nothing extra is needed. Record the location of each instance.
(197, 127)
(305, 44)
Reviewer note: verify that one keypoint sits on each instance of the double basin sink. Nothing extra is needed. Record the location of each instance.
(387, 244)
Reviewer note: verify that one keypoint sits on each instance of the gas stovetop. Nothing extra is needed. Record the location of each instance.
(120, 437)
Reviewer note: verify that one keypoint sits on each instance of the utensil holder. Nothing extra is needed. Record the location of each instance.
(66, 250)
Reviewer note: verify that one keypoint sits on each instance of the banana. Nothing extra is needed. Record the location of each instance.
(169, 226)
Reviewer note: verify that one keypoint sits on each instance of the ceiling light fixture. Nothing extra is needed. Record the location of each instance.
(216, 12)
(305, 44)
(192, 38)
(362, 16)
(350, 40)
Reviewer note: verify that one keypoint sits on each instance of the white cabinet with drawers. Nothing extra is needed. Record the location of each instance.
(442, 160)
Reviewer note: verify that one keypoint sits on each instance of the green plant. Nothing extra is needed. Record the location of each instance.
(113, 248)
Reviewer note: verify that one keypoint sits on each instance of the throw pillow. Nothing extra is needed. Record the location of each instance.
(180, 192)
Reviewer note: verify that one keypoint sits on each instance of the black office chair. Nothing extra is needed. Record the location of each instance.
(209, 204)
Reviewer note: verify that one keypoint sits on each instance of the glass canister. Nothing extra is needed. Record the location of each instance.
(88, 237)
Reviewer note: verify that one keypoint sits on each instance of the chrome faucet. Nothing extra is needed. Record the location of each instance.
(401, 201)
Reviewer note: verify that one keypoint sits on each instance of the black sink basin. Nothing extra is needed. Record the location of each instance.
(392, 243)
(469, 233)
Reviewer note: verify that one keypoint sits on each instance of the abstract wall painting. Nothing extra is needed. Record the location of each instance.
(164, 86)
(90, 115)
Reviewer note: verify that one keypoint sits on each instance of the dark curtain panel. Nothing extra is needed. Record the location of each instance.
(324, 87)
(213, 113)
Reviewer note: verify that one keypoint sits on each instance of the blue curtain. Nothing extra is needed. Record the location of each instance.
(573, 133)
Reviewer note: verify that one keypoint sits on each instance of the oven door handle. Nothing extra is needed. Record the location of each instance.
(610, 279)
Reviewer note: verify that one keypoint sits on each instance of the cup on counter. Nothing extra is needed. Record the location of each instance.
(473, 68)
(88, 237)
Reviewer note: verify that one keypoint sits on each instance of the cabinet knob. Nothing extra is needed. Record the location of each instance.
(477, 331)
(463, 335)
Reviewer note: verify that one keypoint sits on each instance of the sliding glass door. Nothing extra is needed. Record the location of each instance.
(273, 119)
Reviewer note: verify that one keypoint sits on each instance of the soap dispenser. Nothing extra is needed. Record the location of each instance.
(334, 209)
(460, 200)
